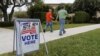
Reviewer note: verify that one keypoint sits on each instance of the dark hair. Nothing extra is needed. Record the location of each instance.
(48, 10)
(62, 7)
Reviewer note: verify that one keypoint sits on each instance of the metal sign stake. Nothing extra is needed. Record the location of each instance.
(47, 53)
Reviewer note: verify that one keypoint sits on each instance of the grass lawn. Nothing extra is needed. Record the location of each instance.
(56, 26)
(84, 44)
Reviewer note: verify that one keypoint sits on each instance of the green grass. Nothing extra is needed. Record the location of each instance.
(84, 44)
(56, 26)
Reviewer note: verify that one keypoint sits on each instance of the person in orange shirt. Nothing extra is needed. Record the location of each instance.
(49, 18)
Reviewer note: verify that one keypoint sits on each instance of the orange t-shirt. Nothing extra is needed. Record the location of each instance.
(48, 17)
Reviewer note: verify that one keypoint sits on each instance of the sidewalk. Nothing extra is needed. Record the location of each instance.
(6, 36)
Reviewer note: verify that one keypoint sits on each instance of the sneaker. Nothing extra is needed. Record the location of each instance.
(60, 34)
(64, 32)
(44, 30)
(51, 31)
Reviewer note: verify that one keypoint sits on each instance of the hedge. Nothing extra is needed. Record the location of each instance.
(20, 14)
(6, 24)
(81, 17)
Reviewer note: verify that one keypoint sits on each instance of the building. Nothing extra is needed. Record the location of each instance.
(55, 3)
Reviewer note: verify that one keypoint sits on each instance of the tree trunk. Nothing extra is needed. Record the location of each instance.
(5, 15)
(11, 14)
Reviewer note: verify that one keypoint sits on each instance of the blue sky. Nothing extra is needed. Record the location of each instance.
(58, 1)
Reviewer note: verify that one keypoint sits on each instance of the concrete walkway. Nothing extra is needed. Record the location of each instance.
(6, 36)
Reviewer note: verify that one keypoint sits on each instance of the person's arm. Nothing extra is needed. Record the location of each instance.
(51, 16)
(57, 17)
(66, 13)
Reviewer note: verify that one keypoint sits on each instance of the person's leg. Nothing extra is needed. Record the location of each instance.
(51, 30)
(47, 24)
(61, 26)
(64, 31)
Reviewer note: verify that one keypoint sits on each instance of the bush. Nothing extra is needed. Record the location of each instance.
(69, 20)
(21, 14)
(6, 24)
(1, 15)
(68, 7)
(81, 17)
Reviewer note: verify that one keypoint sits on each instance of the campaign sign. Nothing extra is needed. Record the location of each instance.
(27, 35)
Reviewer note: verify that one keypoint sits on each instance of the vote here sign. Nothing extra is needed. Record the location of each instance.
(27, 35)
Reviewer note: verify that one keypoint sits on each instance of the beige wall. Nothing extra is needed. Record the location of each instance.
(98, 14)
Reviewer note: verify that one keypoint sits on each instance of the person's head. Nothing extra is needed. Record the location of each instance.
(62, 7)
(49, 10)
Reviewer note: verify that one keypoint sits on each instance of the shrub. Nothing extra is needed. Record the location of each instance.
(21, 14)
(68, 7)
(81, 17)
(1, 15)
(6, 24)
(69, 20)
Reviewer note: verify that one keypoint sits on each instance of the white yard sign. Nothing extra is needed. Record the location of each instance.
(27, 35)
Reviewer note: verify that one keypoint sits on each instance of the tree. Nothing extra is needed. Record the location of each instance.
(38, 11)
(89, 6)
(1, 15)
(5, 4)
